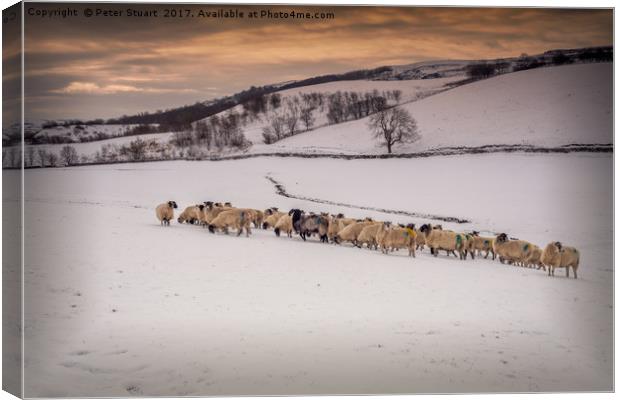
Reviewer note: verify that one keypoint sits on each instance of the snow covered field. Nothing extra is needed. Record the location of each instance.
(118, 306)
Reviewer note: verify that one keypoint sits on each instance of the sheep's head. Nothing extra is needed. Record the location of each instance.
(201, 207)
(268, 211)
(475, 233)
(502, 237)
(218, 204)
(172, 204)
(208, 204)
(228, 204)
(411, 226)
(180, 220)
(438, 226)
(558, 245)
(211, 228)
(340, 215)
(426, 228)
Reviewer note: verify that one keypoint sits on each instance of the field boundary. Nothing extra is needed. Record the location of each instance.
(439, 152)
(281, 191)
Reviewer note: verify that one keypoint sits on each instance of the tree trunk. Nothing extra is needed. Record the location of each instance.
(389, 146)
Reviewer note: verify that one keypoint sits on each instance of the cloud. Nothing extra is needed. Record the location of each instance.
(93, 88)
(123, 62)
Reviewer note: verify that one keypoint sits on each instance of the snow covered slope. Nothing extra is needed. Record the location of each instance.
(412, 90)
(118, 306)
(545, 106)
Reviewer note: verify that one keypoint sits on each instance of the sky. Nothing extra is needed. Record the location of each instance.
(108, 66)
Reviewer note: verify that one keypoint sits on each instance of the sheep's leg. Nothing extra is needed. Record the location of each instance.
(567, 270)
(575, 272)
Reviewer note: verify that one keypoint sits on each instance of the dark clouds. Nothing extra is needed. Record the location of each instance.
(104, 67)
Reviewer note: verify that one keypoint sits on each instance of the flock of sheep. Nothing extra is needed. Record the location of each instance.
(374, 234)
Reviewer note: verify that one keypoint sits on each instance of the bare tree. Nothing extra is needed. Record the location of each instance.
(69, 155)
(52, 159)
(397, 95)
(137, 149)
(274, 131)
(292, 115)
(42, 157)
(30, 156)
(394, 125)
(307, 117)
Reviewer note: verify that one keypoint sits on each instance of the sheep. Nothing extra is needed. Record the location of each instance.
(555, 255)
(420, 240)
(439, 239)
(272, 218)
(256, 216)
(535, 257)
(350, 232)
(165, 212)
(513, 251)
(191, 214)
(284, 224)
(306, 225)
(235, 218)
(211, 211)
(368, 235)
(468, 246)
(396, 238)
(336, 224)
(481, 244)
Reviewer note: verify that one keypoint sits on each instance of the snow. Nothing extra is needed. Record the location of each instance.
(411, 91)
(545, 107)
(548, 107)
(90, 148)
(117, 305)
(86, 131)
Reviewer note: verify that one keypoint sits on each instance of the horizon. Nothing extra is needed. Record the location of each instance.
(106, 66)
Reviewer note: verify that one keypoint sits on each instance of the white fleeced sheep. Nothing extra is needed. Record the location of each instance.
(272, 219)
(233, 218)
(350, 232)
(191, 214)
(368, 235)
(481, 243)
(555, 255)
(512, 251)
(393, 238)
(284, 224)
(165, 212)
(439, 239)
(534, 260)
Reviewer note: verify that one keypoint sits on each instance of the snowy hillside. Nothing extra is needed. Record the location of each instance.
(111, 293)
(546, 106)
(412, 90)
(82, 133)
